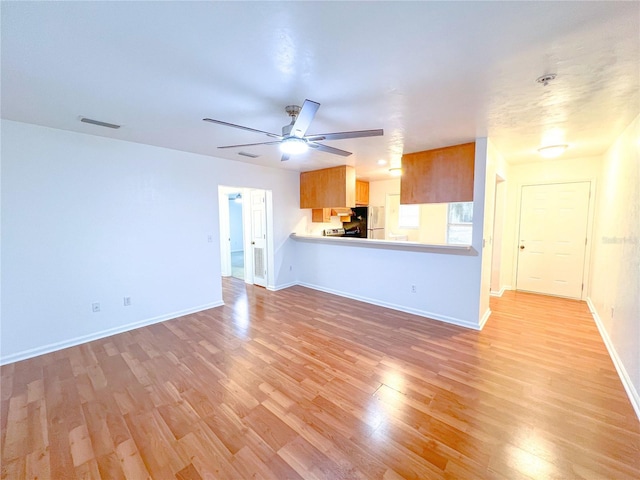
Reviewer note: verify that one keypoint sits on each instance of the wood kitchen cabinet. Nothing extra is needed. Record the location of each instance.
(328, 188)
(362, 192)
(321, 215)
(442, 175)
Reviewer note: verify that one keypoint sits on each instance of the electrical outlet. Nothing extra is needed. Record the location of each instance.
(413, 289)
(290, 267)
(127, 301)
(210, 238)
(95, 307)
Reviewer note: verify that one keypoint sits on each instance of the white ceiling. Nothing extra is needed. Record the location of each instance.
(430, 74)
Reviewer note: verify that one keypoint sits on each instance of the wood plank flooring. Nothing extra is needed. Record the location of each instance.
(302, 384)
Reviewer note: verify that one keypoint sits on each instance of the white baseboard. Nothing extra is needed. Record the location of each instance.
(53, 347)
(632, 393)
(500, 292)
(281, 286)
(484, 318)
(393, 306)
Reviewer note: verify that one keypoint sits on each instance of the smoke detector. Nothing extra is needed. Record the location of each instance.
(545, 79)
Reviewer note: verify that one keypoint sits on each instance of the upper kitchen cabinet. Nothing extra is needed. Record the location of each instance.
(442, 175)
(362, 192)
(328, 188)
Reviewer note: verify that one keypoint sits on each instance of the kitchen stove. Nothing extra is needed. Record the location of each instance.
(334, 232)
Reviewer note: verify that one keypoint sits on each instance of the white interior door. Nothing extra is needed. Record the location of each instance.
(259, 237)
(553, 236)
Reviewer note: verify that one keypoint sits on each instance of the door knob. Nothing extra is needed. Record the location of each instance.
(253, 243)
(521, 247)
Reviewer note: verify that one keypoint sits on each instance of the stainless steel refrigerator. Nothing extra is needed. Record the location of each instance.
(375, 223)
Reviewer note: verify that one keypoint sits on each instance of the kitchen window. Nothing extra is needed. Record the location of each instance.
(409, 216)
(460, 223)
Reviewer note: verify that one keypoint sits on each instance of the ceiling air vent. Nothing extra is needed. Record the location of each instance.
(98, 122)
(250, 155)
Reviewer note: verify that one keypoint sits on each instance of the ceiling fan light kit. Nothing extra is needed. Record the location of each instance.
(294, 139)
(552, 151)
(293, 146)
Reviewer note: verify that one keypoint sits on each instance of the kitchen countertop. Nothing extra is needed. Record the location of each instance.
(386, 244)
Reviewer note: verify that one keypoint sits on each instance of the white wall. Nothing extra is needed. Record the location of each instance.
(90, 219)
(495, 164)
(615, 273)
(379, 189)
(545, 171)
(498, 231)
(448, 285)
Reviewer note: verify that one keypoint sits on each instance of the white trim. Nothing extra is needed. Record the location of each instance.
(632, 393)
(53, 347)
(282, 286)
(393, 306)
(484, 318)
(500, 292)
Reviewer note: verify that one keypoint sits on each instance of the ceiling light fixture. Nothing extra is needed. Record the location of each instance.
(382, 162)
(552, 151)
(293, 146)
(395, 172)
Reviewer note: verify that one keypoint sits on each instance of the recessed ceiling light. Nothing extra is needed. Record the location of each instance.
(382, 162)
(395, 172)
(552, 151)
(293, 146)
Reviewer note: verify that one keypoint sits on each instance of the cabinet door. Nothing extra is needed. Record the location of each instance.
(438, 176)
(362, 192)
(321, 215)
(328, 188)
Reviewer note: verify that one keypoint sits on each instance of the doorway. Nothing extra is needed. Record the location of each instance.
(245, 242)
(553, 238)
(236, 235)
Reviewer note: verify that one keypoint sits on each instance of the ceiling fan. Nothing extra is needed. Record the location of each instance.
(294, 139)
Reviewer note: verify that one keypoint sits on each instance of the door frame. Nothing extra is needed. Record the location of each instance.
(223, 224)
(586, 273)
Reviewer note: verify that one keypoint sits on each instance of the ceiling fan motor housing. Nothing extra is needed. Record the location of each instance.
(293, 111)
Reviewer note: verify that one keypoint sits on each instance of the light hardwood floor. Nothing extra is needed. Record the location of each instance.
(303, 384)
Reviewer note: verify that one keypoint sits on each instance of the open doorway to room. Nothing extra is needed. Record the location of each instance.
(236, 235)
(246, 249)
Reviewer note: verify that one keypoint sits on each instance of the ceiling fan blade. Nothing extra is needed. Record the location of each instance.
(305, 117)
(285, 157)
(251, 144)
(343, 135)
(325, 148)
(227, 124)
